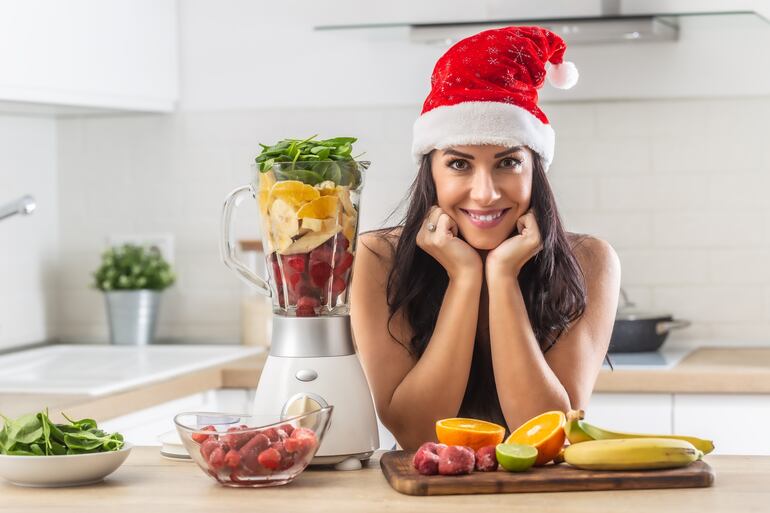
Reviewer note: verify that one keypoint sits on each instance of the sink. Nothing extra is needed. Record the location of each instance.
(97, 370)
(664, 358)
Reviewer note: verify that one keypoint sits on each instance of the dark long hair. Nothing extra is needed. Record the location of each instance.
(552, 282)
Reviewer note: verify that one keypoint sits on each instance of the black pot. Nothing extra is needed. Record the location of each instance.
(636, 332)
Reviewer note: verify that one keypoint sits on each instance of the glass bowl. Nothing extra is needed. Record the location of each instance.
(252, 450)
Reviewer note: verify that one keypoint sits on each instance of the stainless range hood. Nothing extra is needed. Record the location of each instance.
(444, 22)
(576, 31)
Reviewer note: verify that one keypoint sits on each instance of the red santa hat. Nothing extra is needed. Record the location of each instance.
(484, 91)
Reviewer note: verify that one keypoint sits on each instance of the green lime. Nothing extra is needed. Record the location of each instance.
(515, 457)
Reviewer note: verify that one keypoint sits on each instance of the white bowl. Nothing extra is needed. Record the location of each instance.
(66, 470)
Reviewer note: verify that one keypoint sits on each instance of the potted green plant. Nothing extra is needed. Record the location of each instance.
(132, 278)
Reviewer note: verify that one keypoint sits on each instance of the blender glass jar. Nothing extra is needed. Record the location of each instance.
(309, 218)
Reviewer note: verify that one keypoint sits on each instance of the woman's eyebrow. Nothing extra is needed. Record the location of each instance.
(450, 151)
(508, 151)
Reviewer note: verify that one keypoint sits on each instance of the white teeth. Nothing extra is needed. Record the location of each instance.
(486, 218)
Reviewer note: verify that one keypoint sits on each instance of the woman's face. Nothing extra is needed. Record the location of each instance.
(485, 189)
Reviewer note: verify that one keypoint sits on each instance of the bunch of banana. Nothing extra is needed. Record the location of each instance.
(578, 431)
(631, 454)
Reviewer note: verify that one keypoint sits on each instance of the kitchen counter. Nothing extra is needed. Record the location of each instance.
(706, 370)
(226, 375)
(148, 482)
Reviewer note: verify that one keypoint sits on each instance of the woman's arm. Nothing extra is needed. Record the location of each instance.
(528, 382)
(411, 395)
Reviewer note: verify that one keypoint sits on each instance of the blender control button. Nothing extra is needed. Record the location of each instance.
(306, 375)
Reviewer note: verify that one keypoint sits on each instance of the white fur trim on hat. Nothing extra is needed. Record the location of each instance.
(470, 123)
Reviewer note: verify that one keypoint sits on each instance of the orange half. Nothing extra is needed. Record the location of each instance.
(471, 433)
(544, 432)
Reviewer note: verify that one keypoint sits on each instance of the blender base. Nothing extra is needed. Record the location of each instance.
(349, 464)
(343, 462)
(313, 363)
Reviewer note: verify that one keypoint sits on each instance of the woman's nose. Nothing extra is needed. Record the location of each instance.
(484, 190)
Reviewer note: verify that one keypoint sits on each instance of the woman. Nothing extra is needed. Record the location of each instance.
(480, 305)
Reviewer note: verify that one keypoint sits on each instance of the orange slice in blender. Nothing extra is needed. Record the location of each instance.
(544, 432)
(471, 433)
(349, 227)
(320, 208)
(293, 192)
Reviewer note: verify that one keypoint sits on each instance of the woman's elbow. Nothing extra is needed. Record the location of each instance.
(408, 436)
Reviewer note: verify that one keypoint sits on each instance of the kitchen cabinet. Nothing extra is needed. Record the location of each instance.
(736, 422)
(640, 413)
(105, 54)
(143, 427)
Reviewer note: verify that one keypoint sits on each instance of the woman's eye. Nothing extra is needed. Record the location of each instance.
(461, 164)
(510, 162)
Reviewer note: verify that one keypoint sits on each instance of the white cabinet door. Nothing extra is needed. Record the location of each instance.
(143, 427)
(737, 423)
(119, 54)
(639, 413)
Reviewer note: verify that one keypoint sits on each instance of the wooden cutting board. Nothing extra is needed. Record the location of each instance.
(398, 470)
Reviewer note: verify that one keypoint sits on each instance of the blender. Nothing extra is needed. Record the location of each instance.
(309, 215)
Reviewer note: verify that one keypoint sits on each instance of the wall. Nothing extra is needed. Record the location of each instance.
(674, 184)
(28, 245)
(239, 54)
(170, 174)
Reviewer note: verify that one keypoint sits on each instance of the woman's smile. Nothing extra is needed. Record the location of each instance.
(485, 218)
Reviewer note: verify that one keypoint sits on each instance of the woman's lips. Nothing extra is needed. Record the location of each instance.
(485, 218)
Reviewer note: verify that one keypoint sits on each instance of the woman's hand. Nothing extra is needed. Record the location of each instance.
(511, 255)
(441, 242)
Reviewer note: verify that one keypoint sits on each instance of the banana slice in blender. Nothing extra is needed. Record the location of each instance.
(318, 225)
(311, 240)
(343, 193)
(284, 224)
(327, 188)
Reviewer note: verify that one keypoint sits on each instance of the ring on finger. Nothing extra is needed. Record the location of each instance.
(431, 227)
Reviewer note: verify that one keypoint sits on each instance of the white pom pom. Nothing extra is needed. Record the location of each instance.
(563, 76)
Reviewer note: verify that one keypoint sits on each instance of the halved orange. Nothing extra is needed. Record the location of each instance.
(471, 433)
(544, 432)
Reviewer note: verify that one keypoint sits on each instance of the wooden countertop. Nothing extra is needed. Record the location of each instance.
(708, 370)
(148, 482)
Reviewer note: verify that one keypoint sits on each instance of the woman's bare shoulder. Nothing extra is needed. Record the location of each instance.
(593, 253)
(381, 242)
(375, 253)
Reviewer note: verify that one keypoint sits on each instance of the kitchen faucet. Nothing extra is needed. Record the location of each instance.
(24, 206)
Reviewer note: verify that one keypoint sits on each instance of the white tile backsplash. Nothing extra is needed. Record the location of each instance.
(711, 304)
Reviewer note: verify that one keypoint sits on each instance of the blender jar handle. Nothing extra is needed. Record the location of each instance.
(227, 244)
